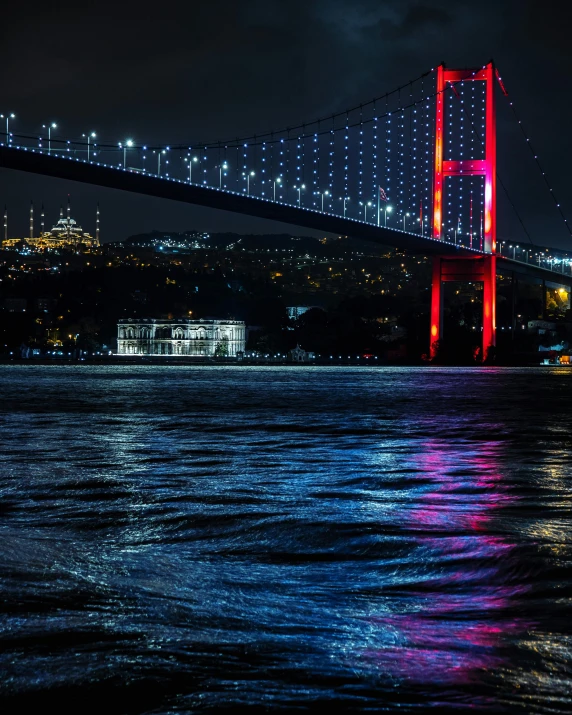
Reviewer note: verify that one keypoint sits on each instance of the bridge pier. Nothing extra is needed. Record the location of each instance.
(473, 270)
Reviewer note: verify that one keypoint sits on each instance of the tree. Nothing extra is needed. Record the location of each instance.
(221, 349)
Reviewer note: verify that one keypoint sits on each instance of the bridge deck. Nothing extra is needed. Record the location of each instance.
(112, 177)
(126, 180)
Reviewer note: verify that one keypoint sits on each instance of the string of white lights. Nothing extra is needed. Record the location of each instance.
(263, 171)
(375, 187)
(331, 158)
(360, 156)
(401, 159)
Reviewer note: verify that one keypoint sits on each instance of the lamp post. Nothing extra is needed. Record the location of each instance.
(51, 126)
(248, 174)
(89, 136)
(128, 143)
(386, 210)
(222, 167)
(404, 215)
(278, 180)
(365, 205)
(195, 160)
(344, 199)
(7, 117)
(299, 190)
(159, 152)
(324, 193)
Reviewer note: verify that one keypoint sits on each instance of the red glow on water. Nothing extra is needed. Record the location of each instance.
(452, 628)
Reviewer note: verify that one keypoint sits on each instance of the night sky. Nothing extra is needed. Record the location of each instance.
(198, 71)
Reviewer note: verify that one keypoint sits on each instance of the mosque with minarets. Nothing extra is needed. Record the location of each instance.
(66, 233)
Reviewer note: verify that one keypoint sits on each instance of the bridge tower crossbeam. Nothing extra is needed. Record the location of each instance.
(481, 268)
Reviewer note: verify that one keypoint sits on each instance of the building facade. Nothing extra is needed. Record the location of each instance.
(198, 338)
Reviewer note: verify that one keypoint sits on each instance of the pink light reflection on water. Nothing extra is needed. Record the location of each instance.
(454, 628)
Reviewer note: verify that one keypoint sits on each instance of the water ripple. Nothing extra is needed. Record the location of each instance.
(188, 539)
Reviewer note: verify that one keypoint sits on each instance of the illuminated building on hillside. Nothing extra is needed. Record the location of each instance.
(206, 338)
(67, 233)
(295, 311)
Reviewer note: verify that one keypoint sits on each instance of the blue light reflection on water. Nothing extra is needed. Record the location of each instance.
(179, 539)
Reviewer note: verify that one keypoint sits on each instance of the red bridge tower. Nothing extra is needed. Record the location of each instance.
(483, 267)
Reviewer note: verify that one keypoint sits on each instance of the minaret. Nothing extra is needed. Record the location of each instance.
(97, 226)
(42, 221)
(69, 217)
(5, 223)
(31, 219)
(61, 211)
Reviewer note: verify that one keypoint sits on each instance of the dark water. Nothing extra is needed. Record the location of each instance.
(257, 539)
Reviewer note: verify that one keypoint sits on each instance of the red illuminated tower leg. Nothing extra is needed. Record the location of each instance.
(489, 304)
(439, 144)
(436, 308)
(477, 268)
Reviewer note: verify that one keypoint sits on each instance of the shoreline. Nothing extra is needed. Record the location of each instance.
(213, 362)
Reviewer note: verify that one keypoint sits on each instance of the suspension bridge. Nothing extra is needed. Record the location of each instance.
(415, 169)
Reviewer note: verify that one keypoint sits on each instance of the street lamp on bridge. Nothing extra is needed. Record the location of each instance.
(248, 174)
(344, 199)
(51, 126)
(222, 167)
(404, 215)
(159, 152)
(89, 137)
(7, 117)
(365, 205)
(128, 143)
(278, 180)
(192, 161)
(386, 210)
(299, 190)
(324, 193)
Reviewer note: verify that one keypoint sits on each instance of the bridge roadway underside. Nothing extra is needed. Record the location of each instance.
(114, 178)
(530, 272)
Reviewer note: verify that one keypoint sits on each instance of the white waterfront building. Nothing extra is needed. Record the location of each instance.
(141, 336)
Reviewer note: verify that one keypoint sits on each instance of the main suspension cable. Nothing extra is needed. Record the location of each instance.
(536, 160)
